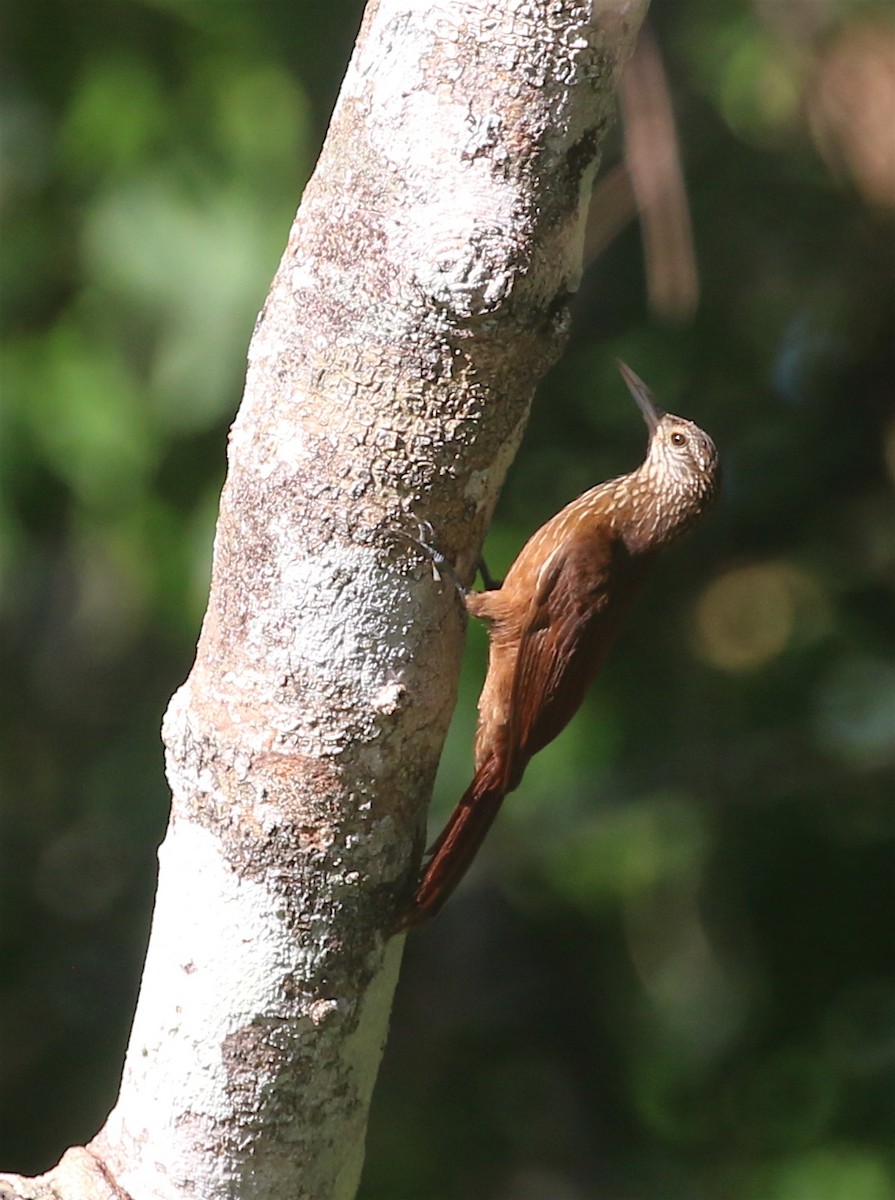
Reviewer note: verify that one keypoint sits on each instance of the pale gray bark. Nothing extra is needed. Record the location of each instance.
(422, 294)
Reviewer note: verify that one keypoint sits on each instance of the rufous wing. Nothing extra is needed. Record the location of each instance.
(583, 593)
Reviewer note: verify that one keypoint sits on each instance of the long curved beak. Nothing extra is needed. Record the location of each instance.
(652, 414)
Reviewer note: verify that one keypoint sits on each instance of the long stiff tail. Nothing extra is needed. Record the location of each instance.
(456, 846)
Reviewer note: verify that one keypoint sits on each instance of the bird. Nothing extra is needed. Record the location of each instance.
(555, 617)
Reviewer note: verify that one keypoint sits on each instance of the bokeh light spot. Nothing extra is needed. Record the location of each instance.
(748, 616)
(856, 716)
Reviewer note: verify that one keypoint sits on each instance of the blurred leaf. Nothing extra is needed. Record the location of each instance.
(630, 849)
(119, 118)
(836, 1174)
(83, 410)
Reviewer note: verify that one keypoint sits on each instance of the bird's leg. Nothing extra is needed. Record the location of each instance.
(491, 584)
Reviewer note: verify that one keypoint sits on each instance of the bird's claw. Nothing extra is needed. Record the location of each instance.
(442, 568)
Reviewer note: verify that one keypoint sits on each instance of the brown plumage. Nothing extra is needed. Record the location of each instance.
(556, 615)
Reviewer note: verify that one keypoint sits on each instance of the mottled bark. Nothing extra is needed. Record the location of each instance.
(422, 294)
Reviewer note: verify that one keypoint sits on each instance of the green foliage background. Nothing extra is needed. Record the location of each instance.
(670, 976)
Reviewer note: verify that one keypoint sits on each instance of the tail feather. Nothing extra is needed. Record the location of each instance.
(456, 846)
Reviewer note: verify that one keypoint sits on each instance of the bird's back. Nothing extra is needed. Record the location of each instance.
(552, 623)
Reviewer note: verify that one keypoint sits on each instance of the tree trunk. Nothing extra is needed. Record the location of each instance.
(422, 294)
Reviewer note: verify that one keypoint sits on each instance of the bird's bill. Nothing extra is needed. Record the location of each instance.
(652, 414)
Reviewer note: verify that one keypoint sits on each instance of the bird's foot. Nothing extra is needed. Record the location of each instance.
(442, 567)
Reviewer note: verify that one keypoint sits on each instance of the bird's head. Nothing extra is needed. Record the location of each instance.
(681, 468)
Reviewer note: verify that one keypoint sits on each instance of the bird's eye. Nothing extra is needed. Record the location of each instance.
(678, 438)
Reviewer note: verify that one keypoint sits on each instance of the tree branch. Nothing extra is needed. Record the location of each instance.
(422, 294)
